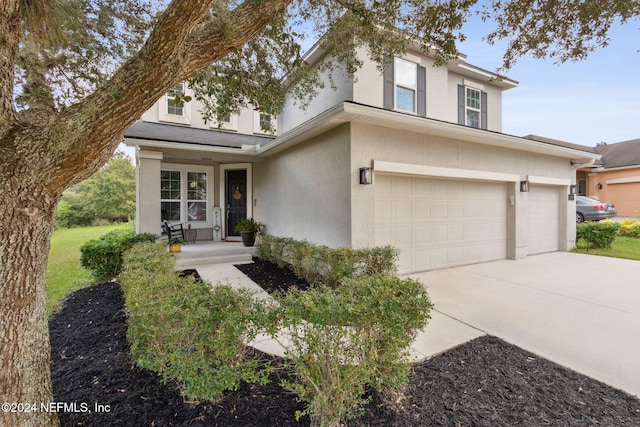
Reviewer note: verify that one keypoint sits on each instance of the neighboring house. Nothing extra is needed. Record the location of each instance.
(616, 177)
(447, 188)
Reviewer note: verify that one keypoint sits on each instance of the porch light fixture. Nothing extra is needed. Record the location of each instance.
(366, 176)
(572, 189)
(524, 186)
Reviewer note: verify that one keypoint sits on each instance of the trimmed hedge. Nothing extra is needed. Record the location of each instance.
(348, 339)
(340, 340)
(597, 234)
(186, 330)
(103, 256)
(323, 265)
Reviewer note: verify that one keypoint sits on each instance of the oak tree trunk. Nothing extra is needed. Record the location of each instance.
(27, 219)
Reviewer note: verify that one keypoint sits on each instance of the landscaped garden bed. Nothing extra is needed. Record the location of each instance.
(486, 382)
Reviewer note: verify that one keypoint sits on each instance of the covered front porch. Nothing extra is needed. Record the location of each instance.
(202, 179)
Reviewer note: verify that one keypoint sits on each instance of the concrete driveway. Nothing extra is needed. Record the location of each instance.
(580, 311)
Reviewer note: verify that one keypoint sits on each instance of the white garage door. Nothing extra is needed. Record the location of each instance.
(544, 219)
(438, 223)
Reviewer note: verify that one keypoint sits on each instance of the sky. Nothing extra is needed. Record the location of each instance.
(587, 102)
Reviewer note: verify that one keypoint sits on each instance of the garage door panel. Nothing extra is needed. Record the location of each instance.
(544, 219)
(450, 222)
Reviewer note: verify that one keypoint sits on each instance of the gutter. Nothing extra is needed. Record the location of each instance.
(350, 112)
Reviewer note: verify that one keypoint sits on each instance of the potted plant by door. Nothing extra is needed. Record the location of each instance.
(248, 228)
(175, 246)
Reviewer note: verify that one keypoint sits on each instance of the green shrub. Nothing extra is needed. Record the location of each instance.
(103, 256)
(186, 330)
(346, 339)
(630, 228)
(597, 234)
(324, 265)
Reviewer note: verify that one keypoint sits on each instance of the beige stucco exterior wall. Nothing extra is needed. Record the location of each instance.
(338, 87)
(243, 122)
(371, 143)
(304, 192)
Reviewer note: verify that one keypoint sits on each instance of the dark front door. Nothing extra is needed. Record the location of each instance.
(236, 199)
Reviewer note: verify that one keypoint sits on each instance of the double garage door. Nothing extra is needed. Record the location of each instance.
(437, 223)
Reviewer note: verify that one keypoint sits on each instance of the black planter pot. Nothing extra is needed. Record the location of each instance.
(248, 238)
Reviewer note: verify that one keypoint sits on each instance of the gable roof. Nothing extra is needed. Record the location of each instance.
(620, 154)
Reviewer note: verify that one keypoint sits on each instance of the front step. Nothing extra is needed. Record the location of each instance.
(182, 263)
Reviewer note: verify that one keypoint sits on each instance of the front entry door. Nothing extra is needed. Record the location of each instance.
(236, 195)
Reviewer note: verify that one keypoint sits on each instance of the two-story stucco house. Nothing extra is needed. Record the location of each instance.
(413, 156)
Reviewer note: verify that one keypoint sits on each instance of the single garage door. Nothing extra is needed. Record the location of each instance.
(544, 219)
(438, 223)
(626, 197)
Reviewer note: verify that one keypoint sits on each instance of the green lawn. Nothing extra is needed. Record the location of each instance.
(623, 247)
(64, 274)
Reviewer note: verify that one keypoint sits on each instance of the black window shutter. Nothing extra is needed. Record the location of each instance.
(422, 92)
(483, 110)
(461, 104)
(387, 102)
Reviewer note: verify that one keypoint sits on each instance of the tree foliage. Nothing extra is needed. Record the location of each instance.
(75, 74)
(109, 194)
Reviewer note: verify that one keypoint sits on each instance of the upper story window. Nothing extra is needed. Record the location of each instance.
(472, 107)
(406, 85)
(173, 105)
(226, 122)
(263, 123)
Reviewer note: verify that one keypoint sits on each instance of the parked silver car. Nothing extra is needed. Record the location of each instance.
(588, 209)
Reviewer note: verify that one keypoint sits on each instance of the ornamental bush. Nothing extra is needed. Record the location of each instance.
(597, 234)
(103, 256)
(187, 330)
(630, 228)
(324, 265)
(345, 340)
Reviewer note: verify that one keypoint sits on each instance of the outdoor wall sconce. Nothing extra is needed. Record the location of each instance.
(366, 176)
(524, 186)
(572, 189)
(599, 186)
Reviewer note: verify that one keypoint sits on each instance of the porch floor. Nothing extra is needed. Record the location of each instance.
(209, 252)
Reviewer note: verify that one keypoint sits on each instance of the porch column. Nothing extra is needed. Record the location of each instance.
(148, 165)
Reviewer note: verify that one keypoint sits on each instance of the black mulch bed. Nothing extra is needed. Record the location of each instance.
(271, 277)
(486, 382)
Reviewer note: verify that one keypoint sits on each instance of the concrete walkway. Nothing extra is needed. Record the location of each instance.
(580, 311)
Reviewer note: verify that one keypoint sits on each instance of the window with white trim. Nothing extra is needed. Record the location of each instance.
(262, 121)
(472, 107)
(196, 196)
(171, 195)
(173, 106)
(184, 194)
(226, 122)
(405, 85)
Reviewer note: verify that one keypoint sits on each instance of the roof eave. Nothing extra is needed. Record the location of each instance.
(347, 112)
